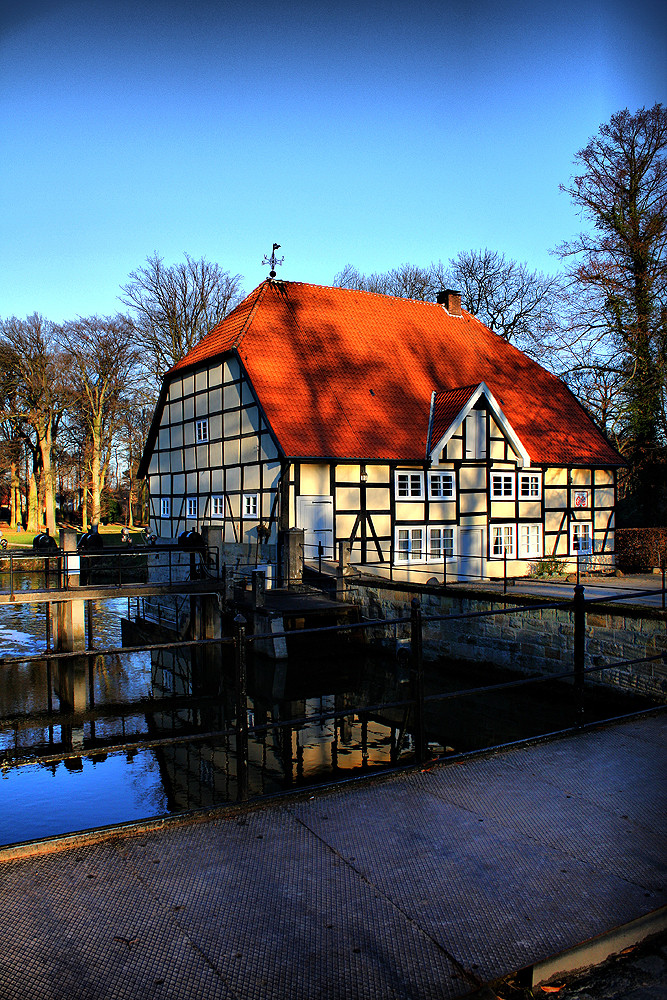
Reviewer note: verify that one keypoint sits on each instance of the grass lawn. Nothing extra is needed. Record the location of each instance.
(111, 532)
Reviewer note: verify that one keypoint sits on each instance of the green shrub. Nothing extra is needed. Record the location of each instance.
(548, 566)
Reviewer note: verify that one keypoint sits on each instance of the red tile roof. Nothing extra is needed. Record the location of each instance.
(342, 373)
(446, 407)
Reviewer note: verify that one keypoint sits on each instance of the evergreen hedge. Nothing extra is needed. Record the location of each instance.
(639, 550)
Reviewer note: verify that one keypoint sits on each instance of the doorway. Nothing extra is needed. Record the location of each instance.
(315, 515)
(471, 549)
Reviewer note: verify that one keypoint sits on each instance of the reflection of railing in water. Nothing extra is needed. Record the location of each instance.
(157, 612)
(235, 737)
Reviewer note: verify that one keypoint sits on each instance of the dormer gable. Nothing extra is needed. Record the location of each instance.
(451, 407)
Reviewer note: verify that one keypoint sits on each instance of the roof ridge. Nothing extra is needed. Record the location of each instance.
(364, 291)
(261, 289)
(459, 388)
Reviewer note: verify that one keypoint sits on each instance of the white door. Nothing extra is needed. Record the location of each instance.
(315, 516)
(471, 562)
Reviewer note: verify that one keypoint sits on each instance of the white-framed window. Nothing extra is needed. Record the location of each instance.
(441, 485)
(530, 540)
(440, 543)
(218, 506)
(410, 545)
(191, 507)
(410, 485)
(202, 430)
(580, 537)
(165, 507)
(502, 539)
(530, 486)
(250, 504)
(502, 486)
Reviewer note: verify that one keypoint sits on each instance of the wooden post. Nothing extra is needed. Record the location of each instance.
(71, 625)
(258, 577)
(292, 553)
(343, 570)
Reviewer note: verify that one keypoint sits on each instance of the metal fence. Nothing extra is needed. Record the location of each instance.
(240, 645)
(449, 567)
(114, 567)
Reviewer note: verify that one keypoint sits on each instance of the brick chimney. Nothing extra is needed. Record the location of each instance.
(451, 300)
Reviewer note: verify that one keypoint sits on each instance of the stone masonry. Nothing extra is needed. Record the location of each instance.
(529, 639)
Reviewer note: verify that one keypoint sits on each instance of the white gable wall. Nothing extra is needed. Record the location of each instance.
(215, 460)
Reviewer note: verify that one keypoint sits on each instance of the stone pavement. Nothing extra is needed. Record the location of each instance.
(421, 885)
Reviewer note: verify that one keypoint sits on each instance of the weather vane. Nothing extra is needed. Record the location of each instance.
(273, 260)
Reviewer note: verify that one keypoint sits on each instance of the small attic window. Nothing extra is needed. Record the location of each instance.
(475, 434)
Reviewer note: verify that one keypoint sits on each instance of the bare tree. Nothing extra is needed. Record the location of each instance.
(132, 435)
(11, 444)
(33, 374)
(519, 304)
(621, 263)
(407, 281)
(174, 307)
(102, 374)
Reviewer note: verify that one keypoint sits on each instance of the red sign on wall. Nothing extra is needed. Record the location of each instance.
(581, 498)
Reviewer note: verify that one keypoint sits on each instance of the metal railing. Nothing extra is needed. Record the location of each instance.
(242, 730)
(445, 571)
(114, 567)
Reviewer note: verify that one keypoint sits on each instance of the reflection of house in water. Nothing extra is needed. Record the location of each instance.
(201, 773)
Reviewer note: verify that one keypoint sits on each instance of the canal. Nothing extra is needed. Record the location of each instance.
(73, 735)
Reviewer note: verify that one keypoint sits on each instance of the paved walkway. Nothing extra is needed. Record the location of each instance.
(641, 589)
(416, 886)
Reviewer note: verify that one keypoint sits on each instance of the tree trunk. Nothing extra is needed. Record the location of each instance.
(131, 496)
(14, 496)
(95, 473)
(33, 512)
(47, 496)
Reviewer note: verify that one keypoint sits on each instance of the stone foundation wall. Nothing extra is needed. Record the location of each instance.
(529, 639)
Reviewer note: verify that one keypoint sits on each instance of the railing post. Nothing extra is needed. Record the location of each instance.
(504, 570)
(444, 569)
(663, 582)
(320, 551)
(11, 576)
(240, 646)
(417, 679)
(579, 652)
(90, 622)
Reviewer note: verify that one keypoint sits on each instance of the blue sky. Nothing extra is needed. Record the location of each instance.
(363, 132)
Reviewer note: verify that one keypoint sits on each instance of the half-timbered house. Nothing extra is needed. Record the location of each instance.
(406, 427)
